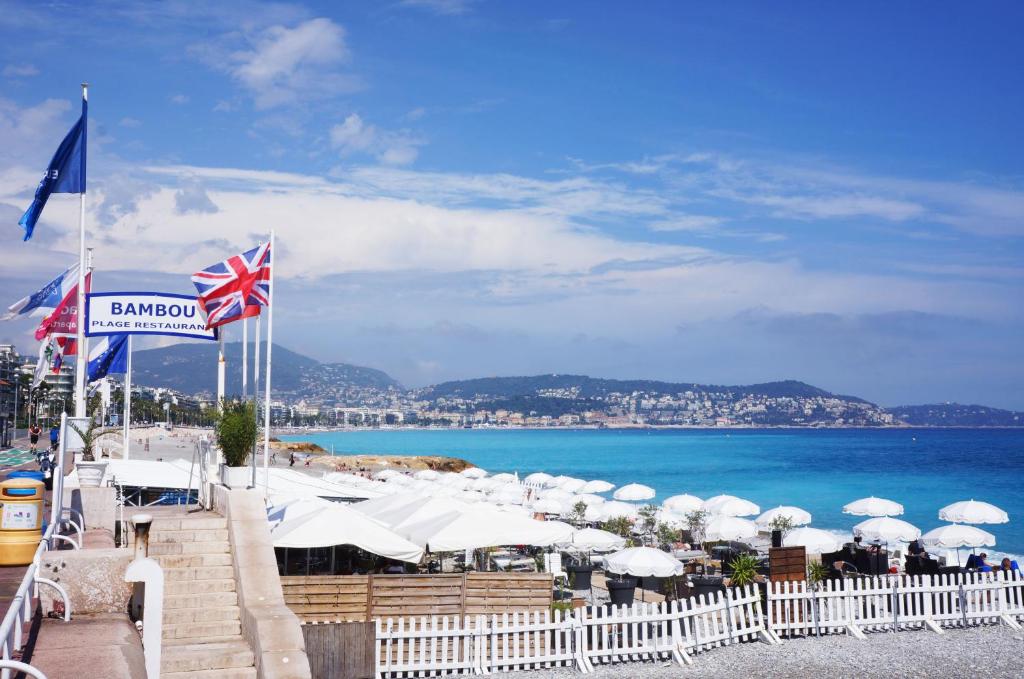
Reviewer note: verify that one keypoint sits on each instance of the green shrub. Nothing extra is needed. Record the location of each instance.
(237, 431)
(816, 572)
(744, 570)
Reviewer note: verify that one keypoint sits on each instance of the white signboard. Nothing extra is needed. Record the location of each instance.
(20, 517)
(144, 313)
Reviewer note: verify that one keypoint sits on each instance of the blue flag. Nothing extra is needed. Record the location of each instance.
(65, 174)
(109, 355)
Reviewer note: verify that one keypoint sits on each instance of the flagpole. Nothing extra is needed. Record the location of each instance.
(256, 392)
(82, 355)
(270, 350)
(125, 453)
(245, 359)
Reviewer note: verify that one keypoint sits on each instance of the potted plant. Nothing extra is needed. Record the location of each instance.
(621, 590)
(236, 435)
(90, 472)
(580, 573)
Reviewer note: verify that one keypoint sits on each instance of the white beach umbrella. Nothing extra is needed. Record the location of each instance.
(634, 491)
(643, 562)
(873, 506)
(815, 540)
(456, 481)
(594, 540)
(547, 506)
(509, 495)
(345, 478)
(427, 475)
(470, 496)
(724, 527)
(478, 528)
(683, 504)
(555, 494)
(473, 473)
(556, 481)
(572, 485)
(518, 510)
(958, 535)
(385, 474)
(668, 517)
(538, 478)
(614, 509)
(797, 516)
(588, 499)
(505, 477)
(973, 511)
(887, 529)
(596, 486)
(399, 480)
(730, 505)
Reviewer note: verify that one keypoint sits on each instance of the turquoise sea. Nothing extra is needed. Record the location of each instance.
(818, 470)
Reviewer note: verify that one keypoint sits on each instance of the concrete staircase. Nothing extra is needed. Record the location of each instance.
(201, 628)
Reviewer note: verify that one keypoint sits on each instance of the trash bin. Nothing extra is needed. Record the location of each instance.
(21, 520)
(26, 474)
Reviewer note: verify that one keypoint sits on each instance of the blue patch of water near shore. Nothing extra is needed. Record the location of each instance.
(818, 470)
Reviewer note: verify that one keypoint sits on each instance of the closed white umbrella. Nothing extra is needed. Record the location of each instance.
(815, 540)
(683, 504)
(643, 562)
(596, 486)
(634, 491)
(973, 511)
(730, 505)
(873, 506)
(724, 528)
(427, 475)
(887, 529)
(594, 540)
(473, 473)
(797, 516)
(538, 478)
(957, 535)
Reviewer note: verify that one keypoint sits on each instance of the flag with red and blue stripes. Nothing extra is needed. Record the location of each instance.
(235, 288)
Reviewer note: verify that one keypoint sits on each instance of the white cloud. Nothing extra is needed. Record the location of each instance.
(687, 223)
(280, 65)
(130, 122)
(446, 7)
(20, 71)
(391, 148)
(179, 99)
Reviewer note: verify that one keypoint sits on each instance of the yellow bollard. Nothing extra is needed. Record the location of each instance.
(21, 520)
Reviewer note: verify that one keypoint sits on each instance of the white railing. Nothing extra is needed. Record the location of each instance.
(533, 640)
(435, 645)
(895, 602)
(19, 613)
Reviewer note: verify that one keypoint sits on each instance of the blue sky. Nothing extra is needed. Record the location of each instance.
(719, 194)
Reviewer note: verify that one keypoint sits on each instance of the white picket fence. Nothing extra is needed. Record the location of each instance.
(895, 602)
(428, 646)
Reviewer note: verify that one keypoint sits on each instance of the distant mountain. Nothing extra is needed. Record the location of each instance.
(192, 369)
(957, 415)
(581, 386)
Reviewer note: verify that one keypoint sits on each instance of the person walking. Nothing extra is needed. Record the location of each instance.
(54, 436)
(33, 438)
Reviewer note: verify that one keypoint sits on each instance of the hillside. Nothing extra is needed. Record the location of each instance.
(957, 415)
(192, 369)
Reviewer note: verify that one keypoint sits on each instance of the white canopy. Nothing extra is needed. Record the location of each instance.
(643, 562)
(457, 531)
(421, 509)
(509, 495)
(382, 504)
(730, 505)
(723, 527)
(973, 511)
(798, 516)
(325, 524)
(634, 491)
(548, 506)
(816, 541)
(596, 486)
(873, 506)
(473, 473)
(683, 504)
(349, 479)
(887, 529)
(956, 535)
(594, 540)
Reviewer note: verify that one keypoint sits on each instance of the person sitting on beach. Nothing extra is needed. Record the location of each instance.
(1006, 566)
(983, 565)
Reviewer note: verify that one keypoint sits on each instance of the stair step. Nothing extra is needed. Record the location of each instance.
(197, 522)
(206, 656)
(215, 639)
(231, 673)
(201, 630)
(181, 616)
(188, 535)
(199, 573)
(176, 548)
(223, 584)
(174, 602)
(189, 560)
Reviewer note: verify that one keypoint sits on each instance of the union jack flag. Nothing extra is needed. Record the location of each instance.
(236, 288)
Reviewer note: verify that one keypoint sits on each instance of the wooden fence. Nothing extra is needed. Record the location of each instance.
(324, 598)
(895, 602)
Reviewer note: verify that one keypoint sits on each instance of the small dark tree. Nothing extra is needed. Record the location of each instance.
(237, 431)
